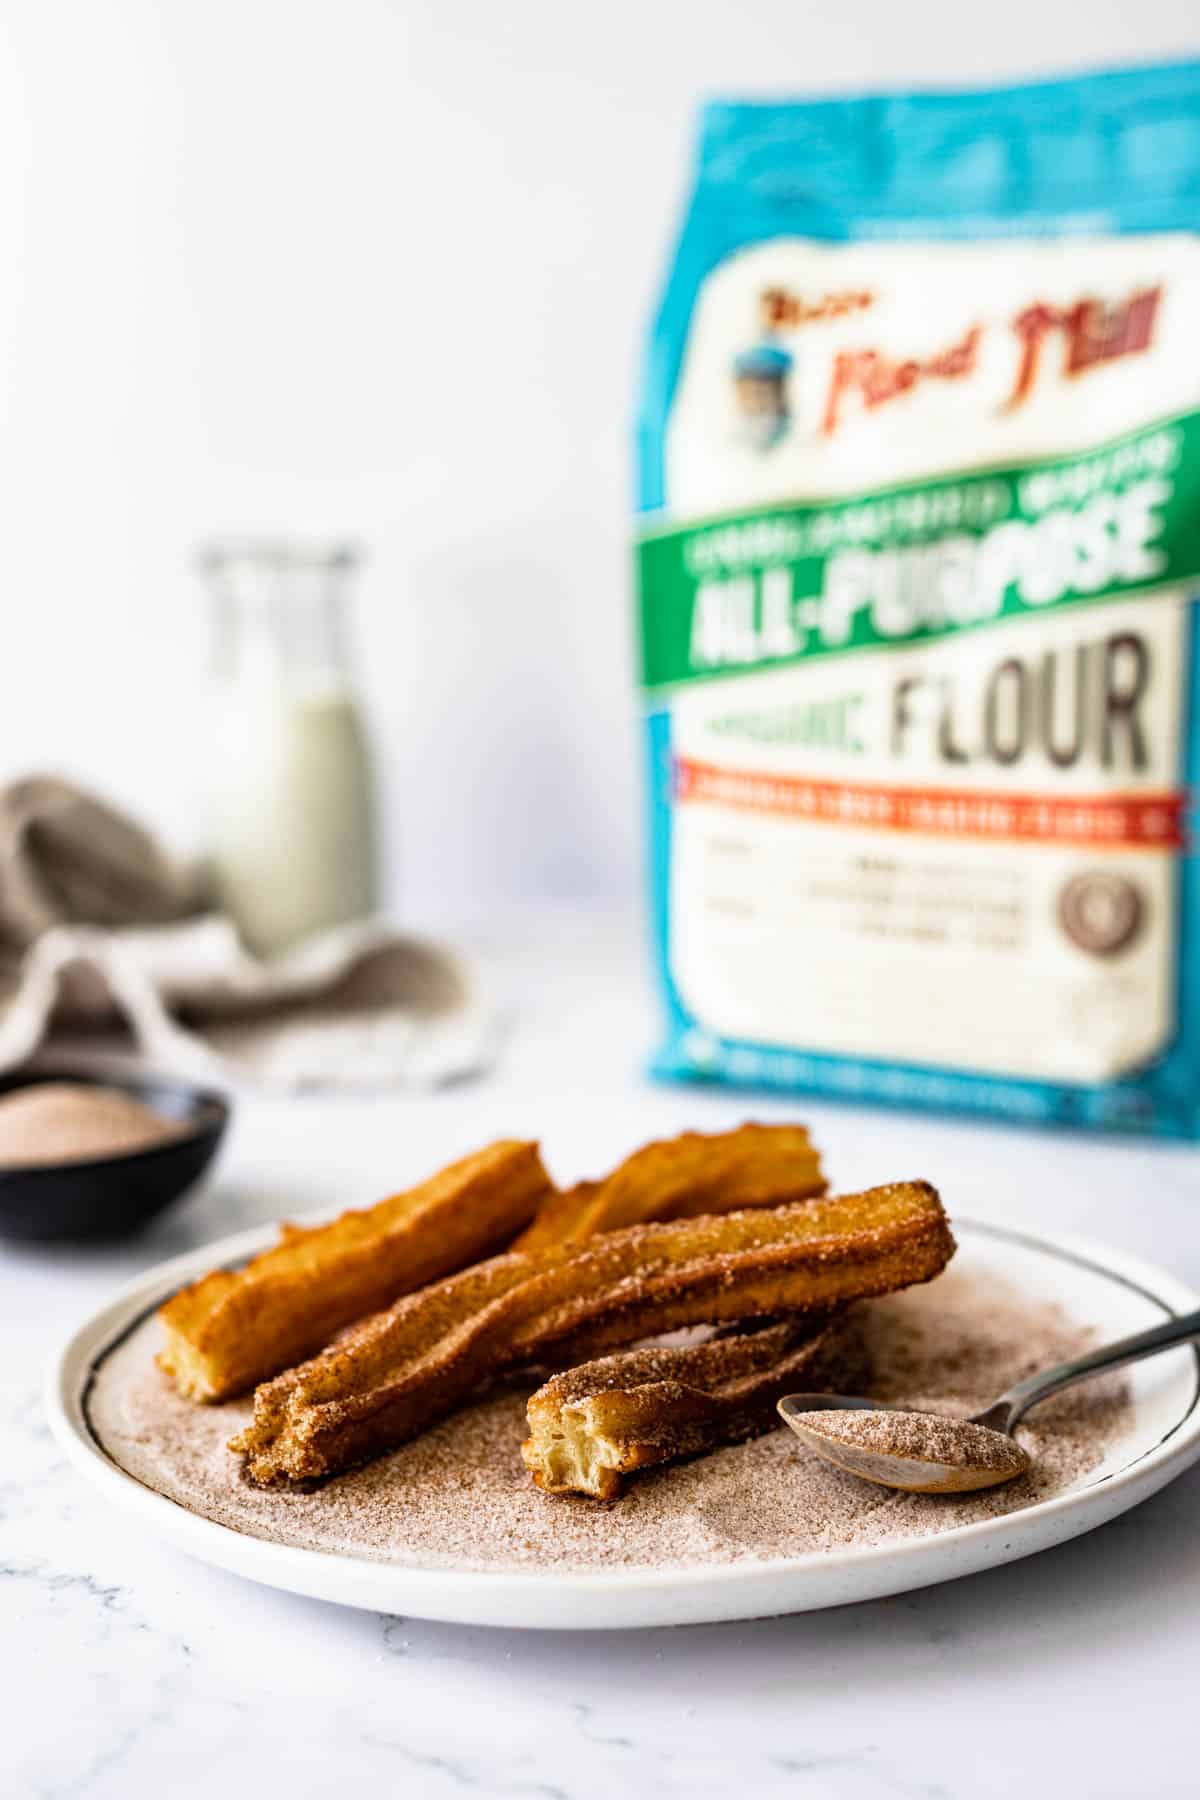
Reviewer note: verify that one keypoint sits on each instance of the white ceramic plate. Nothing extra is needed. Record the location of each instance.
(1114, 1292)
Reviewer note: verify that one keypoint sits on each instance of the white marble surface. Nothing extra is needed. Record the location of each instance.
(127, 1670)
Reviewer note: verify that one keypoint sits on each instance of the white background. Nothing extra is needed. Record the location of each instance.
(380, 266)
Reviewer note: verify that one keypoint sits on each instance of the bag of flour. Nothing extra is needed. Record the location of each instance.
(919, 546)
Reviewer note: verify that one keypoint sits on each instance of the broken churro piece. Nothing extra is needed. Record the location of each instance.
(393, 1375)
(682, 1177)
(235, 1328)
(592, 1426)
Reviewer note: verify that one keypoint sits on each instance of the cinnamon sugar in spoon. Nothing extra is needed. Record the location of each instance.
(925, 1453)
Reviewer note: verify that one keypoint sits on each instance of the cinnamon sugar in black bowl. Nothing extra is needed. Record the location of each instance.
(107, 1196)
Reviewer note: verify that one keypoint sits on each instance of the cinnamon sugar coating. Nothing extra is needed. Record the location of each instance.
(680, 1178)
(236, 1327)
(395, 1374)
(592, 1426)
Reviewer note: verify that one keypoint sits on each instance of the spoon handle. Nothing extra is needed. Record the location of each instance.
(1004, 1413)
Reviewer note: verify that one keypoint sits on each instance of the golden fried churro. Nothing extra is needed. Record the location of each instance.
(393, 1375)
(679, 1178)
(592, 1426)
(558, 1218)
(235, 1328)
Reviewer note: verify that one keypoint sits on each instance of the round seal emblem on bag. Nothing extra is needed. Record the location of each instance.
(1101, 912)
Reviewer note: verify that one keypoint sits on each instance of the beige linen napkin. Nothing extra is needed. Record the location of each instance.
(98, 926)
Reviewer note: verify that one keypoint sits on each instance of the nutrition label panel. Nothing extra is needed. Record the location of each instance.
(938, 899)
(790, 934)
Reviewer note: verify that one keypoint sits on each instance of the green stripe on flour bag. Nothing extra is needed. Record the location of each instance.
(778, 585)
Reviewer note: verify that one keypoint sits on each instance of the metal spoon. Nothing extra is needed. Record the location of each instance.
(961, 1455)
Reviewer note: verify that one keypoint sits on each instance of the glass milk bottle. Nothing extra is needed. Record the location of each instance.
(292, 841)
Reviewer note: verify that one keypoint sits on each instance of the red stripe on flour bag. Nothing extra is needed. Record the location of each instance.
(1152, 821)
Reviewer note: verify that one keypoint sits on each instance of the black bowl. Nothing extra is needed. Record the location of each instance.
(112, 1196)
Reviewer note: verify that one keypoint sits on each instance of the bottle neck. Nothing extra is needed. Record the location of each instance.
(279, 619)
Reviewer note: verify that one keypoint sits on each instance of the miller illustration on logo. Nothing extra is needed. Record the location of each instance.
(760, 384)
(762, 372)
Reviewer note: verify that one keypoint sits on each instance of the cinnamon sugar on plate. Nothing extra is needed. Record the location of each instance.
(459, 1496)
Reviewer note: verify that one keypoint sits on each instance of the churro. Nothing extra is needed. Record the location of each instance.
(681, 1177)
(395, 1374)
(592, 1426)
(235, 1328)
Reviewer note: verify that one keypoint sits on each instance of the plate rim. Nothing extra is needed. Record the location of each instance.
(73, 1366)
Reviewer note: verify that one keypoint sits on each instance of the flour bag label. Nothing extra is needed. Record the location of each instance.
(919, 557)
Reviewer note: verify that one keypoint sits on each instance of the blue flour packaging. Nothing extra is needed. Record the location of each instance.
(919, 551)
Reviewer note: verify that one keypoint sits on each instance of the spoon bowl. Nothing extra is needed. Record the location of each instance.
(926, 1453)
(922, 1453)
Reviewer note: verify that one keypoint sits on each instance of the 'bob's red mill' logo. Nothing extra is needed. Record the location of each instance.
(1092, 333)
